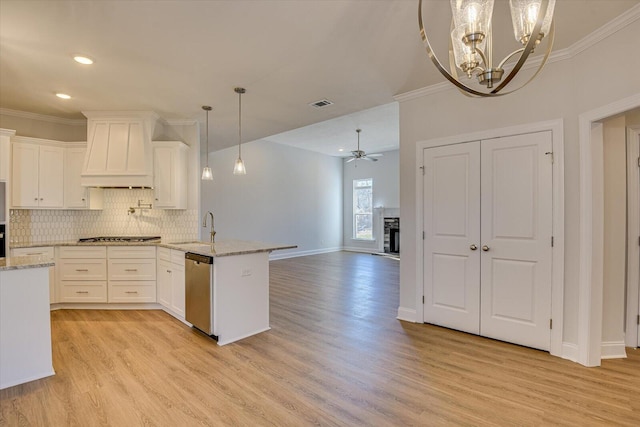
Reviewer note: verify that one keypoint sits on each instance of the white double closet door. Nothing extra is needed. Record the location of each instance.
(487, 244)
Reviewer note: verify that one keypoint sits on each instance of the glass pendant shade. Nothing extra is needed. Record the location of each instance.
(467, 57)
(524, 14)
(238, 168)
(473, 17)
(207, 175)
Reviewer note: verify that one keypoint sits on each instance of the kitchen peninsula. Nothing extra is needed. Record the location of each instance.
(109, 273)
(25, 328)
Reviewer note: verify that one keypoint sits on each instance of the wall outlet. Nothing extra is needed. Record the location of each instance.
(245, 272)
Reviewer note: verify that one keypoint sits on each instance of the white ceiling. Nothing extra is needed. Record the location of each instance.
(172, 57)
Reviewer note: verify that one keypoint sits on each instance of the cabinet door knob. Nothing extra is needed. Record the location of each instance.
(36, 199)
(485, 248)
(473, 247)
(41, 199)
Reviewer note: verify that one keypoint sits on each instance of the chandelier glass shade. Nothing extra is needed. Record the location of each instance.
(207, 175)
(471, 43)
(238, 168)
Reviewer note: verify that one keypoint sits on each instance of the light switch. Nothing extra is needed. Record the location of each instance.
(246, 272)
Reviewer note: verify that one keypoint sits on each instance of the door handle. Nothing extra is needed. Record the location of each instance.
(485, 248)
(473, 247)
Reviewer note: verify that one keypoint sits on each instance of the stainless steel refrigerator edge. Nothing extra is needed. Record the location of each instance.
(199, 292)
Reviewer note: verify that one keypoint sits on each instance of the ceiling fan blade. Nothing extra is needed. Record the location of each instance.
(350, 160)
(371, 159)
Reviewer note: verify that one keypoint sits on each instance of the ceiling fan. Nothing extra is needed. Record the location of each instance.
(359, 154)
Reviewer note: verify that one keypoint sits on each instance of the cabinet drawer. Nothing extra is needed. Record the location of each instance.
(128, 252)
(164, 254)
(132, 269)
(46, 252)
(82, 252)
(82, 269)
(83, 292)
(126, 291)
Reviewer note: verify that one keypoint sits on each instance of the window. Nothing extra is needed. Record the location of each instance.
(363, 209)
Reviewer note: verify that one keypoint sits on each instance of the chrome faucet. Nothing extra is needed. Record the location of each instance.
(204, 224)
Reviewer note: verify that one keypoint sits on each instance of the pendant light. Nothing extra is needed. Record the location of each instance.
(207, 175)
(239, 168)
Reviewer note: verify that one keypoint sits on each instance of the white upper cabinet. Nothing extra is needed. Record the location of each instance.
(119, 149)
(75, 195)
(170, 174)
(38, 175)
(5, 153)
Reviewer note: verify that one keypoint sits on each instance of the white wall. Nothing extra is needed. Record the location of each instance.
(564, 89)
(46, 127)
(386, 193)
(288, 196)
(615, 231)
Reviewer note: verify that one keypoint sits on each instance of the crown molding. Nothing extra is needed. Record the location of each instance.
(613, 26)
(42, 117)
(180, 122)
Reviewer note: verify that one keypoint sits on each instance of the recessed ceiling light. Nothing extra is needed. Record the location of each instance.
(63, 95)
(85, 60)
(341, 149)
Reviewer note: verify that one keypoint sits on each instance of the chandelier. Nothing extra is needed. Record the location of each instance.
(471, 43)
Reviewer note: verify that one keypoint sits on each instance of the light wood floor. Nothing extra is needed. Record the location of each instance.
(335, 356)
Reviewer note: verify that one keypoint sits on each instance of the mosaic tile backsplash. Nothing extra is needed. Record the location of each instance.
(41, 226)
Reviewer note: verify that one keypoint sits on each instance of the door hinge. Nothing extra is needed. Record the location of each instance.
(423, 235)
(550, 323)
(550, 153)
(638, 319)
(551, 241)
(423, 299)
(639, 162)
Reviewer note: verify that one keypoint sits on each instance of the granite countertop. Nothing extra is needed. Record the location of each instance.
(22, 262)
(226, 247)
(218, 249)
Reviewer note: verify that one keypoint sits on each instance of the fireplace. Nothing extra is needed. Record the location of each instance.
(392, 235)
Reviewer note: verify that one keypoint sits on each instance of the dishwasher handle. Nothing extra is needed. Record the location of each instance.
(203, 259)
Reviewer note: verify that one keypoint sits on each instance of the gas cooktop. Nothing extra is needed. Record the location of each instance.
(124, 239)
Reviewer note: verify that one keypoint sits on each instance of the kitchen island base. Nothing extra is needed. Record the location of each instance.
(240, 296)
(25, 326)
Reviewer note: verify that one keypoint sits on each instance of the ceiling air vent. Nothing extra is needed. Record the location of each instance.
(322, 103)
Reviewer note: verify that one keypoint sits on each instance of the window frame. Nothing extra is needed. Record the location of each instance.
(355, 214)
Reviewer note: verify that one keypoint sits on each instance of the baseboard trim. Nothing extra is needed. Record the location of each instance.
(274, 256)
(362, 250)
(406, 314)
(613, 350)
(569, 351)
(104, 306)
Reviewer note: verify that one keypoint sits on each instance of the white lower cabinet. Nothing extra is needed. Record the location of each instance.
(48, 253)
(132, 274)
(171, 293)
(82, 274)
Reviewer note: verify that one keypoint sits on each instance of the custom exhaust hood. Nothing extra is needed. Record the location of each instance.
(119, 152)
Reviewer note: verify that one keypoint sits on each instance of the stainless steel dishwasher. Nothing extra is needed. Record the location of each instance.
(199, 292)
